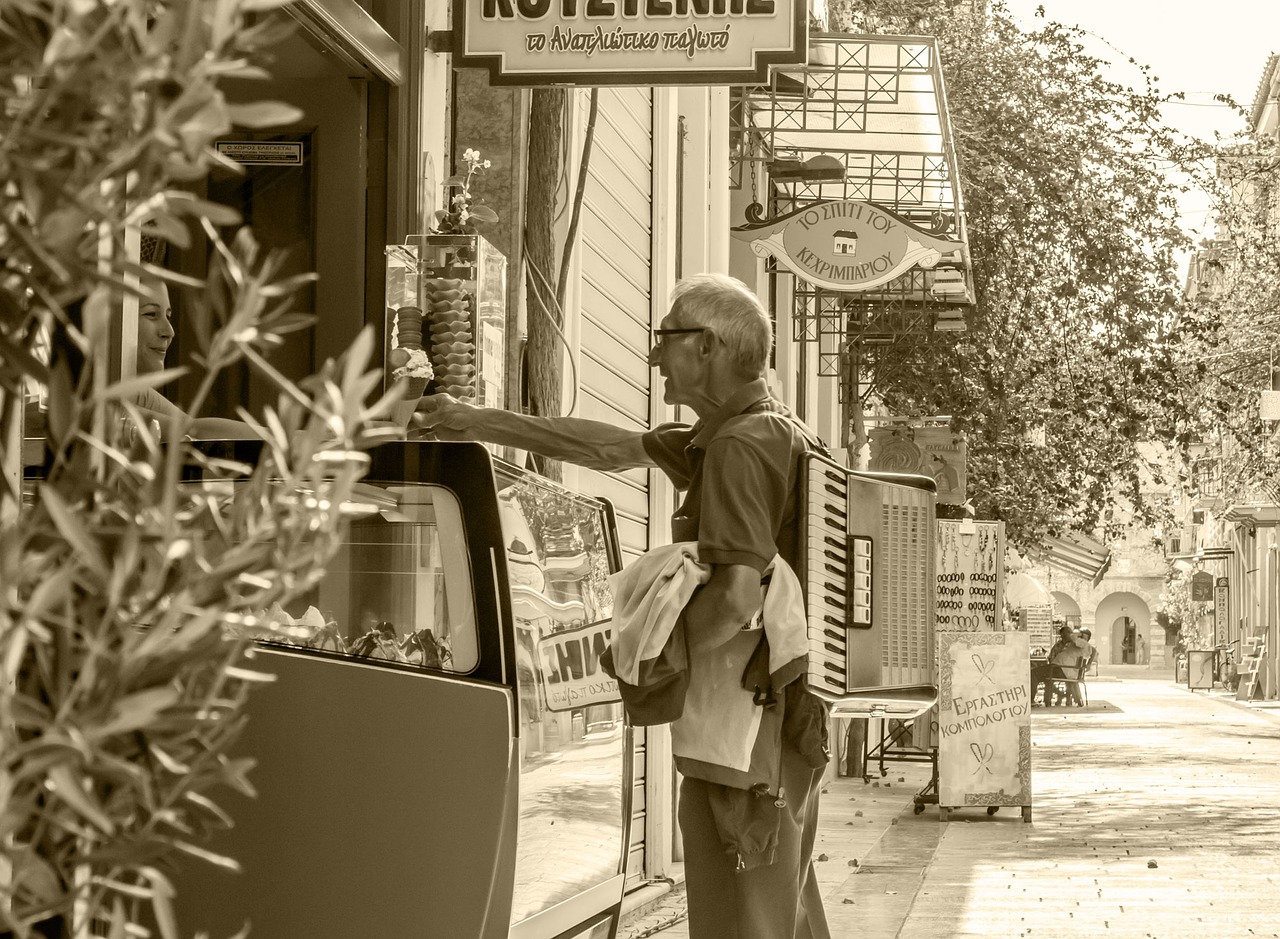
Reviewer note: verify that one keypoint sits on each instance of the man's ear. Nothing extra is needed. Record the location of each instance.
(707, 340)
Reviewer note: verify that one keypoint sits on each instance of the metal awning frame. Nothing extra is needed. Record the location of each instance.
(878, 105)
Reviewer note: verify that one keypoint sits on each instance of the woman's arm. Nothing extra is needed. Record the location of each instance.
(157, 407)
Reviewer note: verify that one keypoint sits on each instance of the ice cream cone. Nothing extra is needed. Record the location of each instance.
(402, 410)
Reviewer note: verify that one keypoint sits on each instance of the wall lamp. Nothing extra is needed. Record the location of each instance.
(822, 168)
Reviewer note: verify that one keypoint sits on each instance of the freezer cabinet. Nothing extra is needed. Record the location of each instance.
(439, 755)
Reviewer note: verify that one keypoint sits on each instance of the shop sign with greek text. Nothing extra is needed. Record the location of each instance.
(262, 152)
(847, 245)
(629, 42)
(984, 719)
(1221, 609)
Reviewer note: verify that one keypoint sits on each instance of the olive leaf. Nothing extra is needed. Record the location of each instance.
(122, 688)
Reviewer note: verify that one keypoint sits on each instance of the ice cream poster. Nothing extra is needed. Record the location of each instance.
(929, 451)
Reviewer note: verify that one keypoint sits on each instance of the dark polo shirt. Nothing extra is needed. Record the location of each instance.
(738, 471)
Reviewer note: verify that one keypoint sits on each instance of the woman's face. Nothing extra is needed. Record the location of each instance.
(155, 328)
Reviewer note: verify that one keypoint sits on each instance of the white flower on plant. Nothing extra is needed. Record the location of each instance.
(486, 163)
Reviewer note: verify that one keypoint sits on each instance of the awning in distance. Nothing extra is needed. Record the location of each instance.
(1023, 590)
(1074, 553)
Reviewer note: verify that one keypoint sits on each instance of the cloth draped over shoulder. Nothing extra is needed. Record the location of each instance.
(716, 719)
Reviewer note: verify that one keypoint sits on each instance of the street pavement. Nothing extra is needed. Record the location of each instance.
(1156, 815)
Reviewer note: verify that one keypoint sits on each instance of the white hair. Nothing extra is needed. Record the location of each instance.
(728, 307)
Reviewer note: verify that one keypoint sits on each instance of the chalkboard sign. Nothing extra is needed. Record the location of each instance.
(970, 566)
(984, 721)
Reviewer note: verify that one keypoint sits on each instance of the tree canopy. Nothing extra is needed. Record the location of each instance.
(1226, 334)
(1068, 364)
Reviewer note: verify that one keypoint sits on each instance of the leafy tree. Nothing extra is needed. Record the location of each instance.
(1067, 364)
(1227, 340)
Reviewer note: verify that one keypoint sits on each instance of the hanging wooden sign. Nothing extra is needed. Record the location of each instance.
(929, 451)
(1221, 610)
(1202, 586)
(847, 245)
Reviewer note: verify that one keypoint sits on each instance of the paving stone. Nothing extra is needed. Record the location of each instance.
(1187, 780)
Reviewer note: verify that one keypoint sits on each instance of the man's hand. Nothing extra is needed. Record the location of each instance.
(447, 418)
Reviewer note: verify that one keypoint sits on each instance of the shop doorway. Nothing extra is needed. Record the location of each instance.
(1124, 641)
(306, 188)
(275, 199)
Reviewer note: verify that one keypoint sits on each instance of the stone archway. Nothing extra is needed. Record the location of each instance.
(1122, 614)
(1065, 606)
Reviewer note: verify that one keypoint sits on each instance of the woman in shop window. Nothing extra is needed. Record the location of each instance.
(155, 334)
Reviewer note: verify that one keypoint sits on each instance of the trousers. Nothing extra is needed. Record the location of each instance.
(1045, 675)
(781, 900)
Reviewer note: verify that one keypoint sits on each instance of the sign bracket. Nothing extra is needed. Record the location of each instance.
(440, 41)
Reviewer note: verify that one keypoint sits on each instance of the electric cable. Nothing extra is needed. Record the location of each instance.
(542, 286)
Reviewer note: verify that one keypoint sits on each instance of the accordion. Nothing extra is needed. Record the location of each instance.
(866, 563)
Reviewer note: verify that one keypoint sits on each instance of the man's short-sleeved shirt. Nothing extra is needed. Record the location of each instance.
(1068, 653)
(738, 471)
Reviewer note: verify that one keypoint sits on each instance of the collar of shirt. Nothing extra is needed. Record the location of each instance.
(739, 401)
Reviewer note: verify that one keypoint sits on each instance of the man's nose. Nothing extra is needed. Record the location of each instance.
(654, 354)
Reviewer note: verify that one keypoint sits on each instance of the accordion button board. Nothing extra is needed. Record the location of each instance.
(867, 569)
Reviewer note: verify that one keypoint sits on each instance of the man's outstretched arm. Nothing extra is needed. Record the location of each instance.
(587, 443)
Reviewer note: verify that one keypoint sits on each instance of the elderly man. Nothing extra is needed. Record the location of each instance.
(1064, 662)
(737, 467)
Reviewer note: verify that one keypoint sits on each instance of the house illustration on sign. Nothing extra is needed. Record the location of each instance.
(846, 242)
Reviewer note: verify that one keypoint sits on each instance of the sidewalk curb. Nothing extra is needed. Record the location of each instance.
(1226, 698)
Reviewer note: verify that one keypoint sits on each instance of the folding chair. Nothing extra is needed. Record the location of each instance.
(1075, 687)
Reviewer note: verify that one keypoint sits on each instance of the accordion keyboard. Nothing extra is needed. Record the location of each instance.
(836, 563)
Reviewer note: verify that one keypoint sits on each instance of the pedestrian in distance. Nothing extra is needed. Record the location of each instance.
(737, 467)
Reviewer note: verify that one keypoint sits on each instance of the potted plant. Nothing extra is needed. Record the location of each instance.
(120, 690)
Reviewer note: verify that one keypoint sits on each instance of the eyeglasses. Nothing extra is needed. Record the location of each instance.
(660, 334)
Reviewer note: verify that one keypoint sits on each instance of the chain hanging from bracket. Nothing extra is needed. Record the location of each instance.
(755, 211)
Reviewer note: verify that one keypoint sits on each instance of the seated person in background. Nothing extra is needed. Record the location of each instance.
(1090, 655)
(155, 333)
(1091, 651)
(1064, 662)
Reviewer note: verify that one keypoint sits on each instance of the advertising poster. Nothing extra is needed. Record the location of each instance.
(970, 566)
(984, 720)
(928, 451)
(570, 663)
(1200, 669)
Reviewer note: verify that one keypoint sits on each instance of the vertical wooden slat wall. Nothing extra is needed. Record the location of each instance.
(617, 233)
